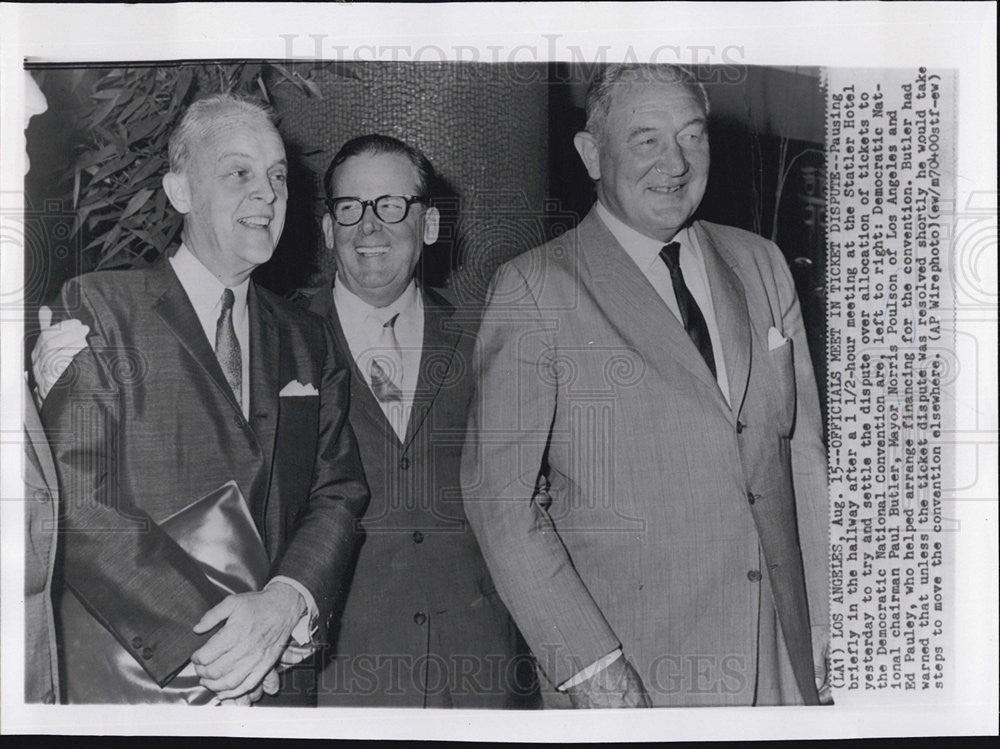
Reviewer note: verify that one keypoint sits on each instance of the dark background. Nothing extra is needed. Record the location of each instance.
(500, 137)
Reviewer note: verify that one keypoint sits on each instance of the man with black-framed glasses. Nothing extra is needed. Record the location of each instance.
(421, 625)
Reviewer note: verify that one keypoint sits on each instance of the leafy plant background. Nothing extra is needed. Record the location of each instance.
(121, 214)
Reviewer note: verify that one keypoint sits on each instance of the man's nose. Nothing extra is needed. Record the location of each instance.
(672, 161)
(264, 190)
(370, 223)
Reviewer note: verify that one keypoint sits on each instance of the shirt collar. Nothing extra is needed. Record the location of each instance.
(642, 249)
(202, 287)
(351, 305)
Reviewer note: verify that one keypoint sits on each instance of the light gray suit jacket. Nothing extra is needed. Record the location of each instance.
(619, 500)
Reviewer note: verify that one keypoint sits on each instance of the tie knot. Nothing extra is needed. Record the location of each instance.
(228, 299)
(671, 255)
(378, 320)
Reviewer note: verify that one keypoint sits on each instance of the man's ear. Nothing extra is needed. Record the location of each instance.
(328, 230)
(586, 146)
(178, 191)
(432, 224)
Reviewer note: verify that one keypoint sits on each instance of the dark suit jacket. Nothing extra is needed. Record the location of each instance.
(421, 624)
(143, 423)
(41, 675)
(658, 496)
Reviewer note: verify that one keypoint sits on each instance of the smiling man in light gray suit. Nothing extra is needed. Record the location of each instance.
(644, 467)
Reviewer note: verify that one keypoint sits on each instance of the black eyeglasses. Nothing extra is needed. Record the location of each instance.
(390, 209)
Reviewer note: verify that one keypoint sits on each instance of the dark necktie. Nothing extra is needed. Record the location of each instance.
(227, 348)
(694, 321)
(386, 366)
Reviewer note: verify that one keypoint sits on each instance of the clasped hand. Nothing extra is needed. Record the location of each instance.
(236, 659)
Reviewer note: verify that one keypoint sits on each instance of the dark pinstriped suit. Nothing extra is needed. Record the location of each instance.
(421, 624)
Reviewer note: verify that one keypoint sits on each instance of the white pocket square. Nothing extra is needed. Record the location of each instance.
(775, 339)
(296, 388)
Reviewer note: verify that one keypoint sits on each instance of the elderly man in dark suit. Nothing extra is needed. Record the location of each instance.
(195, 377)
(644, 467)
(421, 624)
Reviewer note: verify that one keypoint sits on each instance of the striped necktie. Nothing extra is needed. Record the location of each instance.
(691, 316)
(386, 367)
(227, 348)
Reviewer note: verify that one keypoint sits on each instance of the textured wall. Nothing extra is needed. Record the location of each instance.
(485, 128)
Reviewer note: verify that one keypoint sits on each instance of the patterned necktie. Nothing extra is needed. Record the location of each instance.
(694, 321)
(386, 367)
(227, 348)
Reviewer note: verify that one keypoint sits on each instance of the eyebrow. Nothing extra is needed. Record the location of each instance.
(693, 121)
(233, 154)
(643, 129)
(240, 154)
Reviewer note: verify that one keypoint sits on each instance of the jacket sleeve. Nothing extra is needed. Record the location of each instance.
(319, 551)
(125, 570)
(503, 483)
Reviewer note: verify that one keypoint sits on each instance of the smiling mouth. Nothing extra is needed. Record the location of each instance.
(664, 190)
(375, 251)
(255, 222)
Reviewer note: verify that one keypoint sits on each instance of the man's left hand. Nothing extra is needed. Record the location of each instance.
(257, 627)
(269, 686)
(821, 663)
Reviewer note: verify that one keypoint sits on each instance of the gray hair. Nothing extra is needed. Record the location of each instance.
(602, 87)
(217, 110)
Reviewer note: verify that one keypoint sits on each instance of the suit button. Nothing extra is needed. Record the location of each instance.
(147, 653)
(753, 576)
(238, 422)
(740, 426)
(404, 462)
(419, 618)
(136, 642)
(418, 537)
(751, 498)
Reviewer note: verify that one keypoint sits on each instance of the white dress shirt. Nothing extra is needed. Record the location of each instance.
(204, 291)
(645, 253)
(362, 324)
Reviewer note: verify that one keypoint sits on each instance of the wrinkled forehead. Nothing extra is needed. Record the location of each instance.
(238, 132)
(376, 173)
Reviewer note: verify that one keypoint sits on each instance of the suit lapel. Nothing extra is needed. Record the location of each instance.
(363, 402)
(730, 304)
(265, 355)
(174, 308)
(440, 339)
(636, 309)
